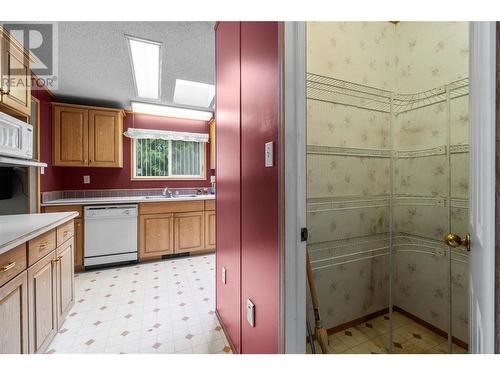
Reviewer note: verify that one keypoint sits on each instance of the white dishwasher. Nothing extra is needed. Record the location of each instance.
(110, 234)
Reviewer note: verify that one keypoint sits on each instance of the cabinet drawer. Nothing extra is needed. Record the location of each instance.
(12, 263)
(65, 232)
(41, 246)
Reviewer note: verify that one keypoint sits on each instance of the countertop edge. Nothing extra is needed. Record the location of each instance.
(30, 235)
(85, 201)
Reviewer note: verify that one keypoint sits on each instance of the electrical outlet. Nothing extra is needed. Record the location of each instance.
(223, 275)
(42, 170)
(250, 313)
(269, 154)
(86, 179)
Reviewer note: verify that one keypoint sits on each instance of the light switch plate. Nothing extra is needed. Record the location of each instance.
(250, 313)
(269, 154)
(223, 275)
(86, 179)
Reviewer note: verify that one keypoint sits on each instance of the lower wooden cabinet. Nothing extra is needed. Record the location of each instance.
(14, 316)
(65, 280)
(189, 231)
(210, 222)
(42, 300)
(78, 244)
(157, 237)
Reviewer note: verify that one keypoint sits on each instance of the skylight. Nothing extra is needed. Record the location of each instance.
(146, 63)
(193, 93)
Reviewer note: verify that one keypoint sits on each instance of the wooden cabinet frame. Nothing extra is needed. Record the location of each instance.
(94, 144)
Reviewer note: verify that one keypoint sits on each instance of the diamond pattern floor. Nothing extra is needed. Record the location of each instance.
(159, 307)
(371, 337)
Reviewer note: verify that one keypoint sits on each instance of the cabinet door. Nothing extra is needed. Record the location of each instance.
(16, 78)
(65, 277)
(156, 235)
(78, 244)
(210, 230)
(70, 136)
(14, 316)
(42, 302)
(189, 229)
(105, 139)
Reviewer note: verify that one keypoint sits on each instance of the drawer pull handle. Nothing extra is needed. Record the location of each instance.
(65, 233)
(43, 245)
(56, 259)
(7, 267)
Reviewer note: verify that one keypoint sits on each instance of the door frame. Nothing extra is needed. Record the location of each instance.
(295, 104)
(294, 100)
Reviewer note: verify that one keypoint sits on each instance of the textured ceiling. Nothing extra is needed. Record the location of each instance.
(94, 64)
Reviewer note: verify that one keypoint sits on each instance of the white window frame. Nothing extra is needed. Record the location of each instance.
(133, 164)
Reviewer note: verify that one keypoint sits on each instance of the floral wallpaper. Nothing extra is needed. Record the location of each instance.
(348, 173)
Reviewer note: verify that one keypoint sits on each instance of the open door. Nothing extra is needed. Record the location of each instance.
(482, 187)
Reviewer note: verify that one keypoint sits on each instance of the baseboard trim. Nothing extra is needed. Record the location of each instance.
(431, 327)
(365, 318)
(231, 345)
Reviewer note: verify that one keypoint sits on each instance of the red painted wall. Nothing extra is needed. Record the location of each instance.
(52, 178)
(228, 202)
(259, 185)
(248, 107)
(71, 178)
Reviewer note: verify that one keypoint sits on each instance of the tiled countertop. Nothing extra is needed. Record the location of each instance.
(118, 200)
(17, 229)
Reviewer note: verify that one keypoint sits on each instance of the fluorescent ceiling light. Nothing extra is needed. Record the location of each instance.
(193, 93)
(145, 59)
(170, 111)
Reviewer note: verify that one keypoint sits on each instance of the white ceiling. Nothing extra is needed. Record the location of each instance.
(94, 65)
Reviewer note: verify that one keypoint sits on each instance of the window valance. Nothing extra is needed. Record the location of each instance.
(135, 133)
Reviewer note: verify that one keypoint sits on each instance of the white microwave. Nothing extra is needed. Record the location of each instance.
(16, 137)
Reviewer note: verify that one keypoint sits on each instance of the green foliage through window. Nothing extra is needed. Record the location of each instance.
(164, 158)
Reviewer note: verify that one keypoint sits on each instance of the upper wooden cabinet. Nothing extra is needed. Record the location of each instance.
(87, 136)
(15, 74)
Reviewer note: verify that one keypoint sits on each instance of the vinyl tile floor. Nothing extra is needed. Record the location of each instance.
(371, 337)
(162, 307)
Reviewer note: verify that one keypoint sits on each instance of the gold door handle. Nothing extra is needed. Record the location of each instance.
(454, 240)
(7, 267)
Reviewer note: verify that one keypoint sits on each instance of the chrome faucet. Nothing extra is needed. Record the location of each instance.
(167, 193)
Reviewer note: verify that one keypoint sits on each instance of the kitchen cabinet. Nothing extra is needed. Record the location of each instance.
(14, 315)
(105, 138)
(157, 235)
(78, 231)
(78, 265)
(210, 222)
(189, 231)
(42, 301)
(87, 136)
(65, 280)
(36, 290)
(15, 74)
(176, 227)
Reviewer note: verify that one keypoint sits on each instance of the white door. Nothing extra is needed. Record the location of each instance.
(482, 187)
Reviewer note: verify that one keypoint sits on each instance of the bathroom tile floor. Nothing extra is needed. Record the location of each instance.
(159, 307)
(371, 337)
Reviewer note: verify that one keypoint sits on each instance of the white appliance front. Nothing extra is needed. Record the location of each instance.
(16, 137)
(110, 234)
